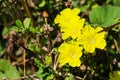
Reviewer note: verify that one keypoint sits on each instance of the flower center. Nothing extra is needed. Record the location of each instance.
(91, 38)
(74, 55)
(92, 41)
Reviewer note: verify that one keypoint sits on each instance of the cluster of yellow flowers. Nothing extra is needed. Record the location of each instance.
(83, 37)
(115, 75)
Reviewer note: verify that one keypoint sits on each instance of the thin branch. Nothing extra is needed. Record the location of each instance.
(24, 3)
(29, 51)
(24, 54)
(21, 63)
(110, 27)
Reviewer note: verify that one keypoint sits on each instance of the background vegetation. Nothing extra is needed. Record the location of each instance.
(29, 40)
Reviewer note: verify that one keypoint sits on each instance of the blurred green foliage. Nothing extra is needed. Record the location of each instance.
(7, 70)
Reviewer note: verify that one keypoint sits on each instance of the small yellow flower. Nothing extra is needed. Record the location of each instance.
(70, 52)
(73, 31)
(69, 22)
(115, 75)
(91, 38)
(67, 17)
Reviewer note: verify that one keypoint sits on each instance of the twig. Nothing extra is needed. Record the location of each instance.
(21, 63)
(24, 53)
(24, 3)
(116, 45)
(24, 62)
(29, 51)
(84, 77)
(29, 77)
(110, 27)
(78, 77)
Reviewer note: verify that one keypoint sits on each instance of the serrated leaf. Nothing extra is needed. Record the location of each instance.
(18, 23)
(26, 23)
(104, 15)
(7, 70)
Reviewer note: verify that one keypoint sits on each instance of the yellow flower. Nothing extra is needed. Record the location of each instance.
(69, 22)
(67, 17)
(115, 75)
(70, 52)
(91, 38)
(73, 31)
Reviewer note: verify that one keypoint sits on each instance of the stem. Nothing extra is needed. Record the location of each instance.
(24, 3)
(116, 45)
(24, 55)
(55, 63)
(49, 38)
(84, 77)
(24, 62)
(9, 7)
(110, 27)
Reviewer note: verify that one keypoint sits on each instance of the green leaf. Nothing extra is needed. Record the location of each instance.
(40, 73)
(116, 2)
(42, 3)
(32, 29)
(108, 1)
(104, 15)
(5, 31)
(26, 22)
(39, 64)
(70, 77)
(35, 29)
(1, 75)
(18, 23)
(33, 47)
(119, 27)
(84, 8)
(111, 51)
(48, 60)
(119, 64)
(15, 28)
(7, 70)
(1, 47)
(50, 77)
